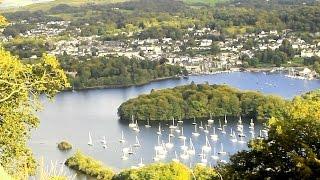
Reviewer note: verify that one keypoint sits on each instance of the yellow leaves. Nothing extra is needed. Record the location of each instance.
(3, 21)
(304, 108)
(279, 130)
(20, 88)
(51, 60)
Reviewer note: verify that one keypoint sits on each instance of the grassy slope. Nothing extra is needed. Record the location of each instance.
(209, 2)
(48, 5)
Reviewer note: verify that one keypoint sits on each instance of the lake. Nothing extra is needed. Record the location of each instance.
(73, 114)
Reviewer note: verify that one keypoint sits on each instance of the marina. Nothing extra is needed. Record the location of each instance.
(74, 114)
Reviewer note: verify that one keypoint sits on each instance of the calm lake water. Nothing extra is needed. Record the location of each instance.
(73, 114)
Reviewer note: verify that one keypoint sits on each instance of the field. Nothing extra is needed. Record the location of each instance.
(208, 2)
(48, 5)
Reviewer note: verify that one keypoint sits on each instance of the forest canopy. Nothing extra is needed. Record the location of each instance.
(117, 71)
(187, 102)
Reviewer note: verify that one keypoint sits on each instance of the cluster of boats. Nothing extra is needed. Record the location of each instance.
(171, 140)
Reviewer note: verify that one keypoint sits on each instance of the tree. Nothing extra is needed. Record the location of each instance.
(215, 49)
(3, 21)
(169, 171)
(21, 86)
(292, 149)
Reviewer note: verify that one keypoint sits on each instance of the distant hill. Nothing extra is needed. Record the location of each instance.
(48, 5)
(203, 2)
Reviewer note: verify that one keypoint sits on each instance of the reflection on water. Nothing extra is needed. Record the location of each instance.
(72, 115)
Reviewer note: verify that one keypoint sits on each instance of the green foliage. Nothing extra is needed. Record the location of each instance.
(291, 150)
(158, 171)
(199, 101)
(21, 86)
(26, 47)
(117, 71)
(205, 173)
(89, 166)
(64, 145)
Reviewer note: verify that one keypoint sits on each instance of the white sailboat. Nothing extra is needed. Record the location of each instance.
(210, 121)
(163, 152)
(223, 161)
(225, 120)
(178, 129)
(203, 161)
(207, 146)
(191, 150)
(159, 132)
(223, 129)
(148, 124)
(125, 150)
(222, 152)
(137, 143)
(124, 156)
(241, 141)
(220, 126)
(195, 133)
(90, 143)
(215, 156)
(141, 163)
(252, 134)
(194, 121)
(175, 159)
(182, 135)
(240, 125)
(136, 128)
(130, 151)
(122, 140)
(234, 137)
(156, 157)
(201, 126)
(104, 142)
(260, 135)
(214, 136)
(158, 147)
(206, 129)
(241, 134)
(251, 124)
(184, 155)
(169, 144)
(132, 124)
(173, 126)
(184, 146)
(231, 132)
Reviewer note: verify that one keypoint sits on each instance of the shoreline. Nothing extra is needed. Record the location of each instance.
(254, 70)
(124, 86)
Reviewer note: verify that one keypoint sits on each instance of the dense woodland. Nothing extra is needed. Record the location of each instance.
(154, 16)
(117, 71)
(187, 102)
(171, 19)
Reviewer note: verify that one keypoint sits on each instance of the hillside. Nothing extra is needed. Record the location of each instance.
(48, 5)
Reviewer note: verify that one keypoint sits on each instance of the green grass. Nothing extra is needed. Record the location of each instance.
(48, 5)
(207, 2)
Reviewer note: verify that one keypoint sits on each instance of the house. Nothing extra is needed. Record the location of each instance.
(205, 42)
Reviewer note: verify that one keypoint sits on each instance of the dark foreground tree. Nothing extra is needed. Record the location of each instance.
(292, 150)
